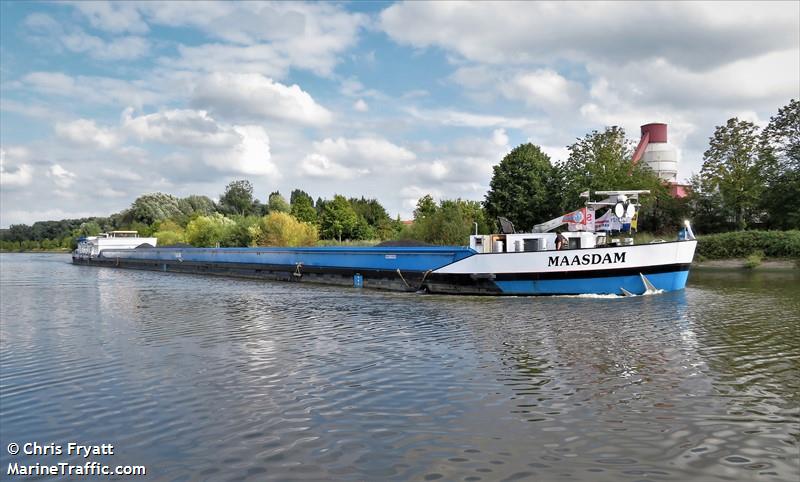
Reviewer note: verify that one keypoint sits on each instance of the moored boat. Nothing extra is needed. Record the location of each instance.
(594, 255)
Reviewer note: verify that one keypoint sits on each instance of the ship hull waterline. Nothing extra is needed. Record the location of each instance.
(601, 271)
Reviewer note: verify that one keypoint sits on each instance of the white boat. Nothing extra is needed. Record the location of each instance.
(598, 256)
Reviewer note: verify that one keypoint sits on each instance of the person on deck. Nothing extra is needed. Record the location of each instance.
(561, 241)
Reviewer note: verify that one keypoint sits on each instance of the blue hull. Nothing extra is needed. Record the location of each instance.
(392, 268)
(670, 281)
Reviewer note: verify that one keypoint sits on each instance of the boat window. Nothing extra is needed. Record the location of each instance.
(574, 243)
(531, 245)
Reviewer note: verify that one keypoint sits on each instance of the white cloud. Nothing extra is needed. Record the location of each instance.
(499, 137)
(310, 36)
(115, 17)
(318, 165)
(29, 109)
(250, 156)
(183, 127)
(366, 151)
(772, 78)
(239, 149)
(259, 58)
(468, 119)
(62, 177)
(543, 87)
(361, 106)
(84, 132)
(253, 96)
(49, 33)
(345, 158)
(693, 34)
(121, 174)
(90, 89)
(14, 171)
(123, 48)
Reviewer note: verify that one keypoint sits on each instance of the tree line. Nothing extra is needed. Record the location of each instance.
(750, 178)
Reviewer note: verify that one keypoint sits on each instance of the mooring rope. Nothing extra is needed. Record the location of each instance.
(422, 281)
(404, 280)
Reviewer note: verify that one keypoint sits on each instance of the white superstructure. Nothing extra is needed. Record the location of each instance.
(91, 246)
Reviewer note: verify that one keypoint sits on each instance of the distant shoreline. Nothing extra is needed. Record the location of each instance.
(61, 251)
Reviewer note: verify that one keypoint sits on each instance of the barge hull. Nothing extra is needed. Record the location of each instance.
(614, 281)
(383, 279)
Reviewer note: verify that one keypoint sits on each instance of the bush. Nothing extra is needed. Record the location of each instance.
(209, 231)
(754, 260)
(169, 233)
(282, 229)
(741, 244)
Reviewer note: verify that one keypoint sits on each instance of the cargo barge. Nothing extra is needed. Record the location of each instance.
(592, 257)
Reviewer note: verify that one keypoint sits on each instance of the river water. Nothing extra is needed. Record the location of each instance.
(205, 378)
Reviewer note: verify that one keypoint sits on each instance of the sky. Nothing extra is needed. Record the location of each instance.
(101, 102)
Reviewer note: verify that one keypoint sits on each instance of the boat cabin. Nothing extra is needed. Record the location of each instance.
(583, 228)
(91, 246)
(525, 242)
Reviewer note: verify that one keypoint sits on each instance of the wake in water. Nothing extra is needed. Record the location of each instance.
(610, 296)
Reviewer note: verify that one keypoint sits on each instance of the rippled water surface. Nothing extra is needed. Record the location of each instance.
(204, 378)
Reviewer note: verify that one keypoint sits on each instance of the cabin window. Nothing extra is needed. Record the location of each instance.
(574, 243)
(531, 245)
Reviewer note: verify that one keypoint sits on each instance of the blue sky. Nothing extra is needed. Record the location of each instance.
(101, 102)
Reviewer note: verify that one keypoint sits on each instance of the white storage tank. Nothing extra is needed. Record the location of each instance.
(659, 154)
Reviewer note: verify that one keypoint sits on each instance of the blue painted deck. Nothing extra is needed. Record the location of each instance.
(389, 258)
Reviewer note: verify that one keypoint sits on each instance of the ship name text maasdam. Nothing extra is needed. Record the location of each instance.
(586, 259)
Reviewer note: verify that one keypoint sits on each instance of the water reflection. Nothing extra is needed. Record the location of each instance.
(211, 378)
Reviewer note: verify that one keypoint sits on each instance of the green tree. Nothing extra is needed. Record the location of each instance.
(169, 233)
(90, 228)
(298, 194)
(734, 165)
(240, 234)
(282, 229)
(451, 222)
(781, 141)
(602, 161)
(709, 213)
(194, 206)
(18, 232)
(525, 188)
(375, 216)
(209, 231)
(237, 198)
(303, 209)
(426, 207)
(150, 208)
(277, 204)
(338, 219)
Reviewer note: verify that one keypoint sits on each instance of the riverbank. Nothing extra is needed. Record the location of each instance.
(742, 263)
